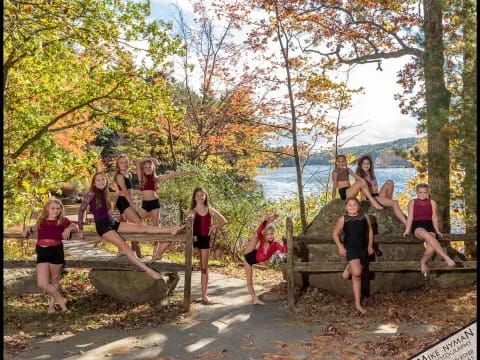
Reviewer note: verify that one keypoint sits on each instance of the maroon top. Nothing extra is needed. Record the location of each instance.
(99, 213)
(342, 174)
(201, 224)
(422, 209)
(150, 184)
(50, 230)
(261, 255)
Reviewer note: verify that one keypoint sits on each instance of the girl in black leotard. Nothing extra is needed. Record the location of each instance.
(125, 203)
(357, 245)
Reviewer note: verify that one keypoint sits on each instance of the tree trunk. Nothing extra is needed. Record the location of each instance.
(468, 124)
(437, 99)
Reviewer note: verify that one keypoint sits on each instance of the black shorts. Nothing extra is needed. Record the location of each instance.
(375, 196)
(425, 224)
(357, 253)
(251, 257)
(50, 254)
(105, 225)
(149, 205)
(203, 242)
(343, 192)
(122, 204)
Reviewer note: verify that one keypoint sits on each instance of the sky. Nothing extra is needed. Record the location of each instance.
(376, 109)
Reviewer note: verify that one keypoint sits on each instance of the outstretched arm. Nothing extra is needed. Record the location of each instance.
(165, 177)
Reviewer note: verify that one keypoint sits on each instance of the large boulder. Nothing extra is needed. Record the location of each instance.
(133, 286)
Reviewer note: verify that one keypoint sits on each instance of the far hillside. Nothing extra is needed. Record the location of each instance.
(383, 153)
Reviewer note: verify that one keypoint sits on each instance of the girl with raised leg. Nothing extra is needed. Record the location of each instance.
(109, 228)
(423, 223)
(203, 215)
(384, 195)
(357, 245)
(52, 227)
(149, 182)
(265, 238)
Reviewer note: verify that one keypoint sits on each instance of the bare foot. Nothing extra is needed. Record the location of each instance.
(63, 303)
(377, 206)
(153, 274)
(346, 272)
(360, 309)
(258, 302)
(450, 262)
(118, 254)
(176, 230)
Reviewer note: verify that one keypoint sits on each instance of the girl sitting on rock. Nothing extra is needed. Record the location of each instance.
(423, 223)
(340, 179)
(384, 195)
(265, 237)
(357, 245)
(108, 228)
(52, 227)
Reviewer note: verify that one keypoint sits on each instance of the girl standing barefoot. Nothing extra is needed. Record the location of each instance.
(52, 228)
(357, 245)
(265, 237)
(423, 223)
(108, 228)
(203, 215)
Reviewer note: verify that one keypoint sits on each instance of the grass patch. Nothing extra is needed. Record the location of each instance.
(25, 316)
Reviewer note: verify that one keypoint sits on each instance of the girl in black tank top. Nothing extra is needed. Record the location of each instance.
(356, 246)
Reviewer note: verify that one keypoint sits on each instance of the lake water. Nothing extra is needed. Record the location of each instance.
(282, 182)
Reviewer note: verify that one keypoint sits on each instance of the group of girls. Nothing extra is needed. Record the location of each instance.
(357, 228)
(53, 227)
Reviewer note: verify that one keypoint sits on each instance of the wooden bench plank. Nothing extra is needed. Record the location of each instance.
(93, 236)
(381, 266)
(390, 239)
(97, 264)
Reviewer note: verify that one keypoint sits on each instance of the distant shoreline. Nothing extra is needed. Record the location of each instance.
(376, 167)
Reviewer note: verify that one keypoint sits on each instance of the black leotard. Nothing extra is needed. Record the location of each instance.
(355, 240)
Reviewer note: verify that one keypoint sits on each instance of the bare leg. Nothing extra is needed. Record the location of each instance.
(160, 248)
(429, 251)
(55, 271)
(251, 290)
(43, 282)
(130, 215)
(370, 198)
(346, 273)
(395, 207)
(119, 253)
(114, 238)
(356, 270)
(204, 273)
(127, 228)
(387, 189)
(424, 235)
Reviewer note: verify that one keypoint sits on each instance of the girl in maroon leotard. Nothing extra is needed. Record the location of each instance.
(203, 215)
(385, 194)
(52, 228)
(108, 228)
(149, 182)
(423, 222)
(265, 237)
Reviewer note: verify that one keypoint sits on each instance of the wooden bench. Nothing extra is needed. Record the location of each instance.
(186, 238)
(384, 266)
